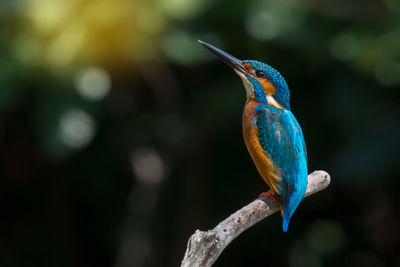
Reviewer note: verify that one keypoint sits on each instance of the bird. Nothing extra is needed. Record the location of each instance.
(272, 134)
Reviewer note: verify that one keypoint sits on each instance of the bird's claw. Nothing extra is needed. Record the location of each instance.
(270, 194)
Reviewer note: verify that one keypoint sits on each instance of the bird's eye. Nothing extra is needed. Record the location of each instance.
(261, 74)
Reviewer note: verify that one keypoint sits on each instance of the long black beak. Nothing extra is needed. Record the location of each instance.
(230, 60)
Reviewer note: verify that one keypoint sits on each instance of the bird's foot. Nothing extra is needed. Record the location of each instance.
(270, 194)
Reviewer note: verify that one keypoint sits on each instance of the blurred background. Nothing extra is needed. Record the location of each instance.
(120, 135)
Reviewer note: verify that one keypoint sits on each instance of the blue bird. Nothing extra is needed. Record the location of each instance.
(272, 134)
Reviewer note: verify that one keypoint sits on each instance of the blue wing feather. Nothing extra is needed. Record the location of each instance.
(281, 137)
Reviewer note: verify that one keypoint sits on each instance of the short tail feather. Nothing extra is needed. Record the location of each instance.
(287, 215)
(285, 223)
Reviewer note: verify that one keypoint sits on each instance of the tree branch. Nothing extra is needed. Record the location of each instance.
(204, 248)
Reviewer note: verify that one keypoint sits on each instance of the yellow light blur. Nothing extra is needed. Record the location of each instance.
(65, 46)
(88, 32)
(47, 15)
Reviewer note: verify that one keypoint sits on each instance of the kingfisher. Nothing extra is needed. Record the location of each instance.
(271, 133)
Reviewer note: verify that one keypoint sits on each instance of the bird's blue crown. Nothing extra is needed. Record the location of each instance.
(282, 93)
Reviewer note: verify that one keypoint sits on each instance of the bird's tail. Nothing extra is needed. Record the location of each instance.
(285, 222)
(292, 202)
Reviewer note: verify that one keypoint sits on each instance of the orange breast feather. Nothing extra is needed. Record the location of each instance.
(260, 157)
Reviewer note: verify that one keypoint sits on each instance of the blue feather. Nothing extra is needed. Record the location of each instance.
(281, 137)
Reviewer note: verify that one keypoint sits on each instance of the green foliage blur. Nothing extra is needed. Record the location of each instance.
(120, 135)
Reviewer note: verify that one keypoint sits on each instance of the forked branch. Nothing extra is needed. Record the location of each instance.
(204, 248)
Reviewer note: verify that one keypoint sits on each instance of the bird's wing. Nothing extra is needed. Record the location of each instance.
(281, 137)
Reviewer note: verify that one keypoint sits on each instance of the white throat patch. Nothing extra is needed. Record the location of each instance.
(272, 102)
(247, 84)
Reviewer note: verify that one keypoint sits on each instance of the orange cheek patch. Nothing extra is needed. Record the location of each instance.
(247, 66)
(268, 87)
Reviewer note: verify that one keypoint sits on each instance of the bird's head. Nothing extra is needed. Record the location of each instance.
(263, 83)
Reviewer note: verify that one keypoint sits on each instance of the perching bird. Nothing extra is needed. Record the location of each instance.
(272, 134)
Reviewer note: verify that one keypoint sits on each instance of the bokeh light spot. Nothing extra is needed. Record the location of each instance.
(181, 48)
(93, 83)
(387, 72)
(77, 128)
(326, 237)
(264, 25)
(268, 20)
(47, 15)
(344, 47)
(148, 166)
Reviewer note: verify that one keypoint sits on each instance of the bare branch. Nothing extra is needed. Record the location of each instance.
(204, 248)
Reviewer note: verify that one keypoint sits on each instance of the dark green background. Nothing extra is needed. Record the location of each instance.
(125, 177)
